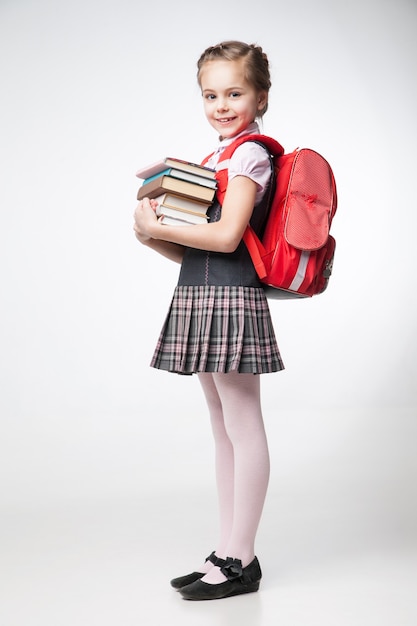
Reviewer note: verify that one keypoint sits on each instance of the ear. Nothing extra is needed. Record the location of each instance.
(262, 100)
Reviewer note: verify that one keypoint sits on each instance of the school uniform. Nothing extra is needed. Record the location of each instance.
(219, 318)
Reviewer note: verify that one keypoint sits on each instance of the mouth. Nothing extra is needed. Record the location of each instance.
(225, 120)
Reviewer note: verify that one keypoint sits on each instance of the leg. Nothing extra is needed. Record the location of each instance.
(239, 398)
(224, 464)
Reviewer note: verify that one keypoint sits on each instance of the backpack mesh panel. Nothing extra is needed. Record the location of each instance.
(309, 202)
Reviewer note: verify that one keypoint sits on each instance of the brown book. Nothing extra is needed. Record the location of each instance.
(164, 183)
(183, 204)
(180, 215)
(179, 164)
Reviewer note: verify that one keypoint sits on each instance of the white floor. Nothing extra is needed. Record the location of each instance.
(325, 563)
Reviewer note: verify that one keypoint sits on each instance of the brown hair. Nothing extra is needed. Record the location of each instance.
(256, 63)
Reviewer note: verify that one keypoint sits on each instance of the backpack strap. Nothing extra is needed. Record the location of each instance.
(250, 238)
(222, 174)
(256, 251)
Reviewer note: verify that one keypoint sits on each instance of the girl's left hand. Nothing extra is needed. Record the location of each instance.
(145, 218)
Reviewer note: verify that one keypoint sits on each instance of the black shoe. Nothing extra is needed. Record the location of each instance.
(182, 581)
(239, 580)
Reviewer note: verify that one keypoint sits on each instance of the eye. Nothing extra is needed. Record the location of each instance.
(210, 96)
(235, 94)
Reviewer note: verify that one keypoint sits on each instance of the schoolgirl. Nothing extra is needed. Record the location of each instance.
(219, 325)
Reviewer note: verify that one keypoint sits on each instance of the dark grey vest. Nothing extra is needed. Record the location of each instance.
(200, 267)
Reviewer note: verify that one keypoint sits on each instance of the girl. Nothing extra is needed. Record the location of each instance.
(219, 325)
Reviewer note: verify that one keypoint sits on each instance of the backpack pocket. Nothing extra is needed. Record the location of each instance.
(309, 202)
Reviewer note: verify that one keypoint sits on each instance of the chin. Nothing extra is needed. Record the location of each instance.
(226, 133)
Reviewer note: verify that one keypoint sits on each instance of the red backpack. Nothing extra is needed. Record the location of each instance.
(295, 256)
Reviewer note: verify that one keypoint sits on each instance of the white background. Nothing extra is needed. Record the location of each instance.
(90, 91)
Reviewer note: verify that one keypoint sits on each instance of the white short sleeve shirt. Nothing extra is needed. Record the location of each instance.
(249, 159)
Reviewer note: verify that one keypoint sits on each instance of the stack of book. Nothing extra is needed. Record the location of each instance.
(184, 191)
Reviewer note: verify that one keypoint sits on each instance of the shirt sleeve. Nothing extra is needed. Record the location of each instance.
(251, 160)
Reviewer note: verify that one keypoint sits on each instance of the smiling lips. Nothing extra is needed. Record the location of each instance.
(223, 120)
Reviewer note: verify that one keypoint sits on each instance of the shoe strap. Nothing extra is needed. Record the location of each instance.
(216, 560)
(212, 558)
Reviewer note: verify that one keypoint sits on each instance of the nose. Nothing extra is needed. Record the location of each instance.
(222, 104)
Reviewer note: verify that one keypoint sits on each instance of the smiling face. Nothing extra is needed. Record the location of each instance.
(231, 103)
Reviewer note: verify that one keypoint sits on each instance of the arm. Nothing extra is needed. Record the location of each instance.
(171, 251)
(222, 236)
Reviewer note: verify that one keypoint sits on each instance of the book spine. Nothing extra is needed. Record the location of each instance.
(188, 166)
(182, 209)
(165, 172)
(182, 175)
(182, 213)
(193, 178)
(181, 202)
(174, 185)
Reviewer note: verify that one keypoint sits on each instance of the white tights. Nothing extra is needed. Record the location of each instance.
(242, 463)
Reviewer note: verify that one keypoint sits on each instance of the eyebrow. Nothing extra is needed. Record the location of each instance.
(227, 89)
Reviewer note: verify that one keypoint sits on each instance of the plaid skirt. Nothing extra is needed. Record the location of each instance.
(218, 329)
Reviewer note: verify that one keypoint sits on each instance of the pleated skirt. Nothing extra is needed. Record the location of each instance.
(218, 329)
